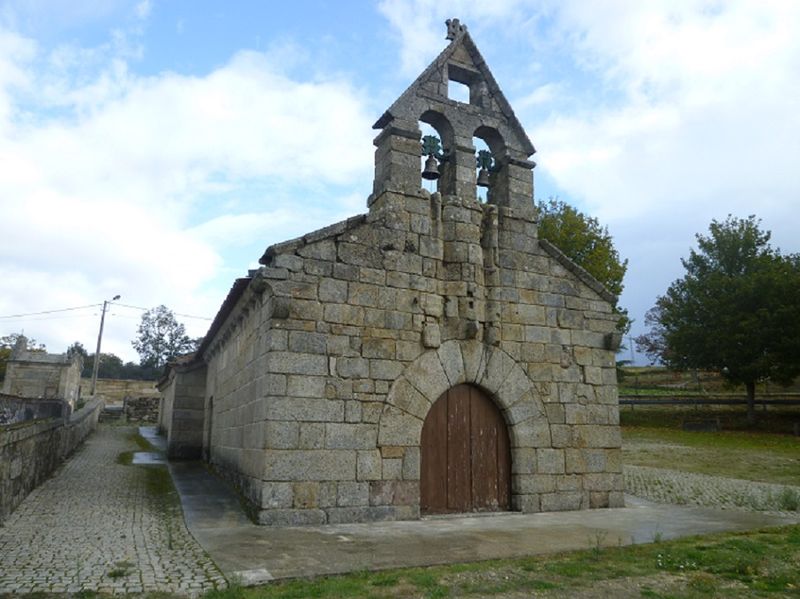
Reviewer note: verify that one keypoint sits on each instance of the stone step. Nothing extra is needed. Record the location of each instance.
(111, 413)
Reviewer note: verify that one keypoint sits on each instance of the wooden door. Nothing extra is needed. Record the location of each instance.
(465, 455)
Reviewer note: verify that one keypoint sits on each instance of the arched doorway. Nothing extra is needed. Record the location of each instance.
(465, 455)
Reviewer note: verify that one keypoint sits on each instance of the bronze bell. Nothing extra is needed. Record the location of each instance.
(483, 178)
(431, 170)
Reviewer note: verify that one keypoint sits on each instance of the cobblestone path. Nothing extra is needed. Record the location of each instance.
(96, 525)
(673, 486)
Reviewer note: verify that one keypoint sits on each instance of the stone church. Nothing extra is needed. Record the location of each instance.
(430, 356)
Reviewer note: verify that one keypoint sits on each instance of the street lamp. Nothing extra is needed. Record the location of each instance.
(99, 340)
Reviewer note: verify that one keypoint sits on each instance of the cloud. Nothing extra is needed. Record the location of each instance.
(142, 9)
(420, 24)
(118, 183)
(654, 116)
(701, 122)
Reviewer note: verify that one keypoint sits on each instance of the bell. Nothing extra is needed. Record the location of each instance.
(483, 178)
(431, 170)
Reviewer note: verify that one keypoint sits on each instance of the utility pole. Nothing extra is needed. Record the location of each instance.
(99, 341)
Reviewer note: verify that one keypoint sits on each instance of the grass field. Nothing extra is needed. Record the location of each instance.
(655, 381)
(653, 437)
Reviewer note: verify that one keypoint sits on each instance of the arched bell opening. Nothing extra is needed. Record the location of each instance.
(465, 454)
(490, 156)
(429, 162)
(484, 163)
(437, 143)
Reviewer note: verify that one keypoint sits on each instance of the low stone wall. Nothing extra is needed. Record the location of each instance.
(116, 390)
(15, 409)
(141, 409)
(32, 450)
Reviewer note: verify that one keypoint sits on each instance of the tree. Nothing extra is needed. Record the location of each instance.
(735, 311)
(112, 367)
(160, 338)
(77, 349)
(586, 243)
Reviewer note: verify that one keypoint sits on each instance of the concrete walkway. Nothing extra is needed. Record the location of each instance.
(255, 554)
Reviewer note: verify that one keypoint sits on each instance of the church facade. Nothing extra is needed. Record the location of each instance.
(430, 356)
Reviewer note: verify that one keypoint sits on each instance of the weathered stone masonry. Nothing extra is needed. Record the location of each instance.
(322, 365)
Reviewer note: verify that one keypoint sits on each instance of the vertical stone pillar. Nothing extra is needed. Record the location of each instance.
(462, 162)
(397, 159)
(512, 185)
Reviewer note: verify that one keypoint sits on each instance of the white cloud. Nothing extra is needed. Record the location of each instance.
(421, 24)
(116, 182)
(703, 123)
(653, 116)
(143, 8)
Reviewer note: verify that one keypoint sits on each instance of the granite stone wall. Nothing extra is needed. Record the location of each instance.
(181, 411)
(15, 409)
(321, 366)
(328, 365)
(32, 450)
(141, 409)
(116, 390)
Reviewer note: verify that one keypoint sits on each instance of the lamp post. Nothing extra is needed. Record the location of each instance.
(99, 340)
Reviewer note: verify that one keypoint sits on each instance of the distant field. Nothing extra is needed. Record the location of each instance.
(653, 380)
(752, 455)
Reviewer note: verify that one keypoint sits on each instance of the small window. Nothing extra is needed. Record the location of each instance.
(458, 91)
(459, 83)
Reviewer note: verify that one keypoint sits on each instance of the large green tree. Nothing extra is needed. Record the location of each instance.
(160, 338)
(735, 311)
(587, 243)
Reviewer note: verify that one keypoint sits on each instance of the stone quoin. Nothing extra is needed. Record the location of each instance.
(433, 315)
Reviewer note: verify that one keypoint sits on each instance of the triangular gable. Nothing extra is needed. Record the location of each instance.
(459, 61)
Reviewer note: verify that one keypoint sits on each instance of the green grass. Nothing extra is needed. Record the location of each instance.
(125, 458)
(760, 563)
(142, 443)
(160, 489)
(750, 455)
(776, 420)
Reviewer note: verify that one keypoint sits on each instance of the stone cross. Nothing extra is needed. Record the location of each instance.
(454, 28)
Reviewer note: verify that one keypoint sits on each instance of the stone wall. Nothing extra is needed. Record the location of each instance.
(19, 409)
(31, 451)
(116, 390)
(182, 411)
(322, 365)
(40, 375)
(141, 409)
(325, 370)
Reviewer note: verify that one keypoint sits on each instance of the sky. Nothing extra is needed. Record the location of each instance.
(153, 149)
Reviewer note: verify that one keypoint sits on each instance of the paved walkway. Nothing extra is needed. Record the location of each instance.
(94, 526)
(256, 554)
(687, 488)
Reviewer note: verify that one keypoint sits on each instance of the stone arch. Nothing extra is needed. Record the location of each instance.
(444, 128)
(493, 139)
(442, 124)
(487, 367)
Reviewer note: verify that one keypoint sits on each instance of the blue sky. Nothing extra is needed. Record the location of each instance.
(154, 149)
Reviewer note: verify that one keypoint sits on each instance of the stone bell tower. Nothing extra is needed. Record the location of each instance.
(431, 356)
(487, 116)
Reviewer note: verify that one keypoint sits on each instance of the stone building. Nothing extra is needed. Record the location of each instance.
(432, 355)
(40, 375)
